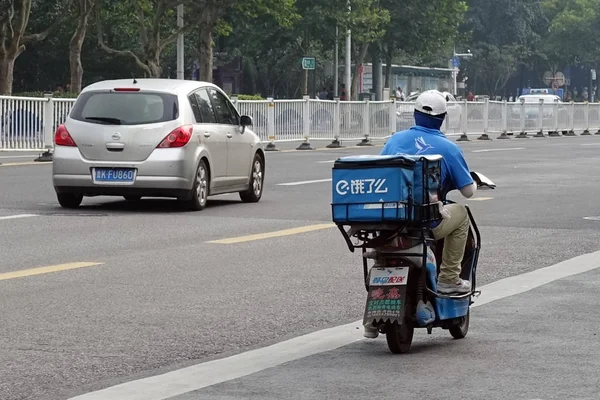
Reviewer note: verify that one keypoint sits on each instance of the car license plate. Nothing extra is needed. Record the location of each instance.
(114, 174)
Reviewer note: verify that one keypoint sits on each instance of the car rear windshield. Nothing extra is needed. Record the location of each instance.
(125, 108)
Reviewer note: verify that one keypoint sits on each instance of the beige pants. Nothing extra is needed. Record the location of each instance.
(454, 230)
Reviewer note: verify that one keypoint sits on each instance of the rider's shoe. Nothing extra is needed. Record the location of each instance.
(370, 332)
(460, 287)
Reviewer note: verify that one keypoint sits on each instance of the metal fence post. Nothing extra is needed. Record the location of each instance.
(486, 121)
(540, 121)
(554, 132)
(597, 108)
(586, 132)
(523, 133)
(271, 125)
(571, 131)
(463, 123)
(504, 134)
(48, 129)
(305, 124)
(393, 110)
(366, 126)
(336, 144)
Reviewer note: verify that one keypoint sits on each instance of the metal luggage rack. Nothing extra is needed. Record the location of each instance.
(376, 233)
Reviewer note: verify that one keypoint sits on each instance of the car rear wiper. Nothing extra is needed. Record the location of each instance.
(114, 121)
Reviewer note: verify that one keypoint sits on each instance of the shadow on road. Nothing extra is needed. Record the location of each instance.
(148, 206)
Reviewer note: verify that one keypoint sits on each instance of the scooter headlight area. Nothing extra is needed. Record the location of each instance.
(386, 206)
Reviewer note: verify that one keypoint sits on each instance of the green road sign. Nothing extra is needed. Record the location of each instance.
(309, 63)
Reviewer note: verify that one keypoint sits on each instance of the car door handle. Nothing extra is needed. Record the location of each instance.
(229, 135)
(206, 134)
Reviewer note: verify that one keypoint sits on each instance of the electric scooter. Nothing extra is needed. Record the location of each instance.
(396, 236)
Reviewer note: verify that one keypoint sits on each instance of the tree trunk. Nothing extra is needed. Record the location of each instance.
(75, 48)
(154, 67)
(360, 58)
(388, 69)
(7, 65)
(205, 46)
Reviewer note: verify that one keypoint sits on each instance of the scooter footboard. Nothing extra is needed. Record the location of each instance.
(387, 295)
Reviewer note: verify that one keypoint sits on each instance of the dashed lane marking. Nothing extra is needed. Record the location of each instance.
(18, 216)
(489, 150)
(16, 164)
(46, 270)
(268, 235)
(304, 182)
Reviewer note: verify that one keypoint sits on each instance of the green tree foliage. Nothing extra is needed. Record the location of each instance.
(15, 36)
(505, 33)
(156, 26)
(105, 39)
(572, 35)
(420, 28)
(211, 19)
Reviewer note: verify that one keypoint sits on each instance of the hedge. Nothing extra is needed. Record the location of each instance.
(66, 95)
(63, 95)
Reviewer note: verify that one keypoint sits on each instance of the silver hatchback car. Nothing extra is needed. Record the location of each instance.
(156, 138)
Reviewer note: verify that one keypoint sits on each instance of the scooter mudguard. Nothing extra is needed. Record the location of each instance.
(386, 296)
(425, 313)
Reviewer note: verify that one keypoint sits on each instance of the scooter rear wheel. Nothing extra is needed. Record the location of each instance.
(460, 331)
(399, 337)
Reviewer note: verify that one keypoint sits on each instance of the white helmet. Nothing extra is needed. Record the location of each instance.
(431, 102)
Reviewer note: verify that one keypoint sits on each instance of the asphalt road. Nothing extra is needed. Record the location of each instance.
(156, 296)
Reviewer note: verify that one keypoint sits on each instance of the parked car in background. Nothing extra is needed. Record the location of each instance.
(156, 138)
(531, 108)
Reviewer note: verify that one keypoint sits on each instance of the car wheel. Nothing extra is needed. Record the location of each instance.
(198, 196)
(133, 198)
(69, 200)
(257, 178)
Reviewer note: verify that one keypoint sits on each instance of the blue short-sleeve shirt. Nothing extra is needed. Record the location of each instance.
(419, 140)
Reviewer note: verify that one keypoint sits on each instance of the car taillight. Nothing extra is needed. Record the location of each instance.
(178, 138)
(62, 137)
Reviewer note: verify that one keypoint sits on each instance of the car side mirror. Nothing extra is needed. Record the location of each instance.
(245, 120)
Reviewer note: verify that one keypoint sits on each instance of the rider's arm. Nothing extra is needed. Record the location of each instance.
(469, 190)
(461, 175)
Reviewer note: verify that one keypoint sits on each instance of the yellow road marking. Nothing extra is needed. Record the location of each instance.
(481, 198)
(46, 270)
(267, 235)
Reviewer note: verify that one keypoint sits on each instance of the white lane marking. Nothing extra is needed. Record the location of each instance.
(3, 157)
(326, 162)
(589, 144)
(595, 218)
(488, 150)
(18, 216)
(213, 372)
(304, 182)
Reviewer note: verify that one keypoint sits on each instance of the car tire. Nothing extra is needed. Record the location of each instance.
(257, 179)
(69, 200)
(198, 196)
(132, 198)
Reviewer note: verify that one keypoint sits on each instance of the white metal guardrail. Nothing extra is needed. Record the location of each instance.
(29, 123)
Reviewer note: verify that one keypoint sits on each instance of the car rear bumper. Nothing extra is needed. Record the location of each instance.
(168, 173)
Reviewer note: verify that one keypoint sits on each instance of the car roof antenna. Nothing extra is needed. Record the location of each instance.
(133, 76)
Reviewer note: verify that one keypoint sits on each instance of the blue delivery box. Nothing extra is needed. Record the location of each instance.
(377, 189)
